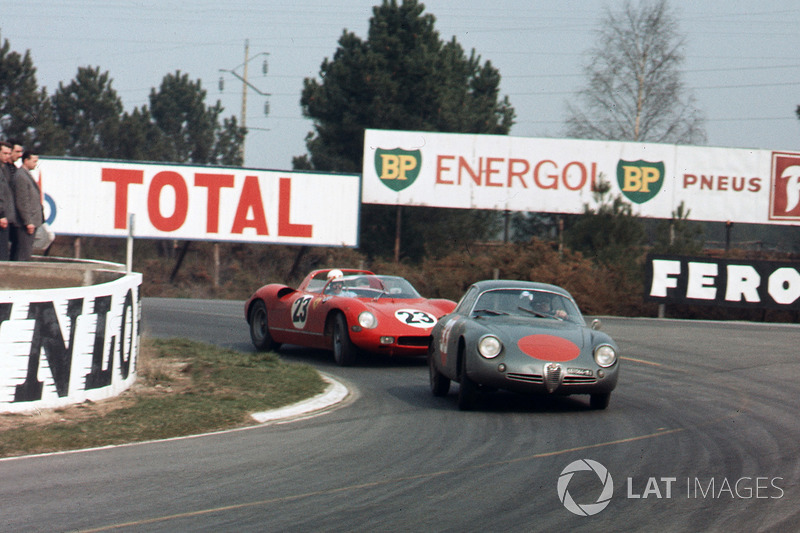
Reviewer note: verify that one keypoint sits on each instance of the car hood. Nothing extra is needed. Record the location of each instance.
(512, 329)
(386, 308)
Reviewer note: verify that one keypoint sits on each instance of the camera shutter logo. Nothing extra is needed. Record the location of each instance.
(587, 509)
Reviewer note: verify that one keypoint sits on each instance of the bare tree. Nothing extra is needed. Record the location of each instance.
(634, 90)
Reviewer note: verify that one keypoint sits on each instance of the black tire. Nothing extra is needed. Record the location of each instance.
(600, 400)
(440, 385)
(259, 330)
(344, 351)
(467, 389)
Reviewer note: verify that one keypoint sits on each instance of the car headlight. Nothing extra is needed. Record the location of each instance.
(367, 320)
(605, 355)
(489, 346)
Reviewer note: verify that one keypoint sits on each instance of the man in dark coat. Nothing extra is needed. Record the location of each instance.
(28, 201)
(8, 212)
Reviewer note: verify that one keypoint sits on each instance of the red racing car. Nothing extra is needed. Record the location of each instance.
(345, 310)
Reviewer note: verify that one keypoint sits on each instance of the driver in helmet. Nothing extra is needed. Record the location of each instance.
(336, 284)
(543, 304)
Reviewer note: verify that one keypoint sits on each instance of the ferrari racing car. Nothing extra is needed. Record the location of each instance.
(346, 311)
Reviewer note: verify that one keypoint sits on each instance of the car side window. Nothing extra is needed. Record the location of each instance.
(465, 305)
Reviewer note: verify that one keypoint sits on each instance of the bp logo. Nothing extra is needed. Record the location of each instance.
(640, 180)
(397, 169)
(587, 509)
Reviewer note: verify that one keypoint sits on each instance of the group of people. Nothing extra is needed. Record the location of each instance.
(21, 210)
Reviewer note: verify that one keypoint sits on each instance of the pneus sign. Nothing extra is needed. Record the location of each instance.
(68, 345)
(722, 282)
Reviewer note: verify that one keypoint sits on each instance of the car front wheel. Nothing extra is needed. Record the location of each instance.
(440, 385)
(467, 390)
(344, 351)
(599, 401)
(259, 328)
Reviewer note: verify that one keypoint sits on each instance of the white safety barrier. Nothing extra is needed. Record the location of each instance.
(69, 332)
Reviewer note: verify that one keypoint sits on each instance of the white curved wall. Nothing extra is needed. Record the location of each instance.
(64, 346)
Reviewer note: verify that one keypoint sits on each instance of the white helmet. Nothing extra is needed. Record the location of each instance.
(335, 274)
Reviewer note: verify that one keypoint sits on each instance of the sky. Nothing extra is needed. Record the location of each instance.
(741, 57)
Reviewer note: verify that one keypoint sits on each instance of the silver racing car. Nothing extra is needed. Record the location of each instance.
(524, 337)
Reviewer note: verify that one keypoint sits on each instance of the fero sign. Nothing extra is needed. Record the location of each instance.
(722, 282)
(201, 203)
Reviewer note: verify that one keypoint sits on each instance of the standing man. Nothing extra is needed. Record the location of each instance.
(16, 152)
(8, 211)
(28, 201)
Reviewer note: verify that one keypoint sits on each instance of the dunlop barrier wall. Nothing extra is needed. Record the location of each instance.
(69, 332)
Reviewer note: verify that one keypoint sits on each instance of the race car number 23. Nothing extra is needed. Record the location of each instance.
(300, 311)
(415, 318)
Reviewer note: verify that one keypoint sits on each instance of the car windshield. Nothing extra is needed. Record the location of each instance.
(527, 302)
(364, 286)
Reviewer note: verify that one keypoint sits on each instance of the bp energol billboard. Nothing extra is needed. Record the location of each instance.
(557, 176)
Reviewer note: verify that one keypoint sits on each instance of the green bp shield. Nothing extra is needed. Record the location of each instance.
(397, 168)
(640, 181)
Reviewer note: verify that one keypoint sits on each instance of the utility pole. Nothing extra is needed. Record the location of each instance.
(242, 120)
(244, 90)
(246, 83)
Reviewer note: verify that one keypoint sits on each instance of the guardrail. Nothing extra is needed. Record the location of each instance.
(69, 332)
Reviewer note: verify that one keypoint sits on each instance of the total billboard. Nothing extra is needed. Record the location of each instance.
(96, 198)
(557, 176)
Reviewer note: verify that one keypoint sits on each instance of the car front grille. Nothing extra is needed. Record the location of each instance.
(526, 378)
(414, 341)
(579, 380)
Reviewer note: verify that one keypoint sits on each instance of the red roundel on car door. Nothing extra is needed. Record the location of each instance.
(549, 348)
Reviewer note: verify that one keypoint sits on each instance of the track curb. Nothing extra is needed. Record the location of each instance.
(334, 393)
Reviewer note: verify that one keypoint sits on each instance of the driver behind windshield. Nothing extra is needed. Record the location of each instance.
(543, 304)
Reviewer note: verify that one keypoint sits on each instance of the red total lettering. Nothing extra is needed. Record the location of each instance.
(285, 226)
(122, 178)
(214, 182)
(167, 179)
(250, 199)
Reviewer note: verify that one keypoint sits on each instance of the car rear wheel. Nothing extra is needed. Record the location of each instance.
(467, 390)
(440, 385)
(600, 400)
(259, 328)
(344, 351)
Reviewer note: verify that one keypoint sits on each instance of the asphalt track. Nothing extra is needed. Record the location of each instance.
(702, 434)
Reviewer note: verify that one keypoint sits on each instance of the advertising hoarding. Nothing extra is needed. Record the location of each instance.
(95, 198)
(557, 176)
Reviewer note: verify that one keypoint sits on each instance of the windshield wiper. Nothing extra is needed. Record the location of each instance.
(540, 315)
(490, 312)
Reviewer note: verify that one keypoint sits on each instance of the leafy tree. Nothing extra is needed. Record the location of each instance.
(25, 112)
(140, 139)
(634, 90)
(530, 224)
(229, 139)
(402, 77)
(88, 110)
(610, 233)
(178, 109)
(679, 235)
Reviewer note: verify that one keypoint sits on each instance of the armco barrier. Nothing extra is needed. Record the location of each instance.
(69, 332)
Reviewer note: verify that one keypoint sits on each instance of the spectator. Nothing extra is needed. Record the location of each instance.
(28, 200)
(7, 209)
(16, 153)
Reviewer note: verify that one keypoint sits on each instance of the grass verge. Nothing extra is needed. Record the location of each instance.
(182, 388)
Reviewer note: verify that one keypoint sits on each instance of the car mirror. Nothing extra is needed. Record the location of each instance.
(596, 324)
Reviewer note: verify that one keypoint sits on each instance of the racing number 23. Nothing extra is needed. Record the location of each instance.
(417, 319)
(300, 311)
